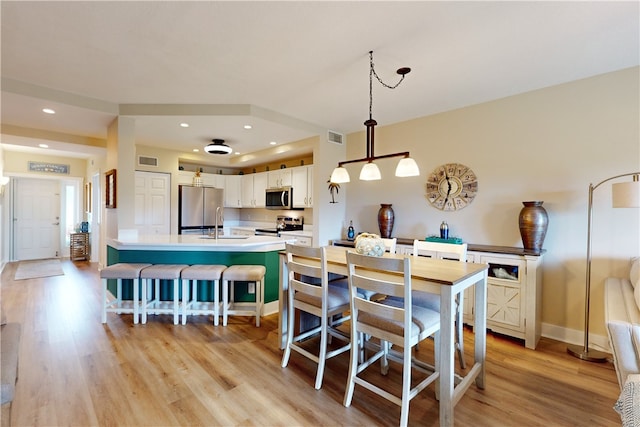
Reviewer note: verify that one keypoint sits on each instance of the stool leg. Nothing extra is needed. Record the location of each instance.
(258, 301)
(156, 296)
(104, 300)
(145, 297)
(216, 302)
(225, 301)
(176, 295)
(136, 301)
(185, 300)
(119, 294)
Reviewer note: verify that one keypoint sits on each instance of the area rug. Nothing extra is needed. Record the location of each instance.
(38, 268)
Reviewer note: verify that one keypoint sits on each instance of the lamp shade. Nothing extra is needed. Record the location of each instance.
(626, 194)
(340, 175)
(407, 167)
(370, 172)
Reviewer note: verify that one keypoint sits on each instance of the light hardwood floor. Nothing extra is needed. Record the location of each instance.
(76, 371)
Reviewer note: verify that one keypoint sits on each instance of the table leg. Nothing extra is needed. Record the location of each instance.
(283, 319)
(480, 328)
(447, 354)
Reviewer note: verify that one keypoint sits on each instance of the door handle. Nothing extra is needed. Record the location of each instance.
(55, 223)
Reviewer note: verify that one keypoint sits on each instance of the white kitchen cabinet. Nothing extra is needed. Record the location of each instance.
(253, 190)
(212, 180)
(279, 178)
(514, 293)
(232, 191)
(185, 177)
(302, 184)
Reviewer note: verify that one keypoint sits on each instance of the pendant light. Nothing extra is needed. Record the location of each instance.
(217, 147)
(370, 171)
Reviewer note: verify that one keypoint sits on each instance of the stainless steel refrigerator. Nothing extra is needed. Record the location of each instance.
(197, 209)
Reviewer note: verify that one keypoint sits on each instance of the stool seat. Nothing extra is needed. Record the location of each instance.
(247, 273)
(242, 273)
(163, 271)
(152, 275)
(190, 304)
(120, 272)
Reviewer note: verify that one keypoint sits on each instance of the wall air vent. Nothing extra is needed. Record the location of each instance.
(147, 161)
(335, 137)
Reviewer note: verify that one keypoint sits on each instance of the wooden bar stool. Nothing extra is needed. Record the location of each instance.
(152, 276)
(244, 273)
(190, 304)
(121, 271)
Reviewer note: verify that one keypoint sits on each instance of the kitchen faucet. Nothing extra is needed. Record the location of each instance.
(218, 214)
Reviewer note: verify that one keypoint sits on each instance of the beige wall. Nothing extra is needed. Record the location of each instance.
(544, 145)
(17, 162)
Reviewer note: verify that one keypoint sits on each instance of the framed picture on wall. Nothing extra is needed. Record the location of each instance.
(87, 197)
(110, 189)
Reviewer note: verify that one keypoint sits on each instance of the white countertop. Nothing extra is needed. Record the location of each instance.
(190, 242)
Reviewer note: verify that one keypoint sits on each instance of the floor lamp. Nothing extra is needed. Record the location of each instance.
(624, 195)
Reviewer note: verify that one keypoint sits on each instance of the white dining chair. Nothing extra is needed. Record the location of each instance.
(396, 321)
(309, 291)
(449, 251)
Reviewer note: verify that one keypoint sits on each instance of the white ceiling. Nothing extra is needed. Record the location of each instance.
(288, 68)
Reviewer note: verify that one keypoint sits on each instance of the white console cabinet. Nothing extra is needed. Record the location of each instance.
(514, 291)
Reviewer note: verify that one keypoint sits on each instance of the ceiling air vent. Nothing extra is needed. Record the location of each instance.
(147, 161)
(335, 137)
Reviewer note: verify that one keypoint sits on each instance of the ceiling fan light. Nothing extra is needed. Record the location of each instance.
(340, 175)
(407, 167)
(370, 172)
(218, 147)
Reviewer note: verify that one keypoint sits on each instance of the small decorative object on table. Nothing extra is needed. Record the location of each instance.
(385, 220)
(533, 221)
(453, 240)
(351, 232)
(444, 230)
(369, 244)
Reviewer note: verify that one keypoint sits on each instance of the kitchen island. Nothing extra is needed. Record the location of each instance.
(199, 249)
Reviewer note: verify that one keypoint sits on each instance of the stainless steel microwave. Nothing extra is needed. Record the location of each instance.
(279, 198)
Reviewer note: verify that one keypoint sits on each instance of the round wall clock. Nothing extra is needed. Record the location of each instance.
(451, 187)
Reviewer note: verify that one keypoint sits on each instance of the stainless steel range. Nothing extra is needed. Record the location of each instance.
(283, 223)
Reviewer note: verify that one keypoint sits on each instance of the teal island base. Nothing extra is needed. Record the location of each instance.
(268, 258)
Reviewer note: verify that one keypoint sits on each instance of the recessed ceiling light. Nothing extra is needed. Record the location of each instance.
(43, 146)
(273, 143)
(247, 126)
(48, 111)
(184, 125)
(195, 150)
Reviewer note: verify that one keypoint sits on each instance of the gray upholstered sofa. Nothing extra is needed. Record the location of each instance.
(622, 316)
(9, 344)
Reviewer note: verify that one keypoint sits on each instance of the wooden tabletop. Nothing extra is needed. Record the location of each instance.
(443, 272)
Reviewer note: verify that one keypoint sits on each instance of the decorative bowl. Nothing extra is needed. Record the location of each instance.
(369, 244)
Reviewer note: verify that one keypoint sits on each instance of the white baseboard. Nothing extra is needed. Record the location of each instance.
(271, 308)
(576, 337)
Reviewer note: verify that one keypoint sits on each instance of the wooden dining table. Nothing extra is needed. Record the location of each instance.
(446, 278)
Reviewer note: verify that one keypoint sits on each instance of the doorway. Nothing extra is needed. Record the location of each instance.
(45, 212)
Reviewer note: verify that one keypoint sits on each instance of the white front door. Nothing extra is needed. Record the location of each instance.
(37, 219)
(153, 203)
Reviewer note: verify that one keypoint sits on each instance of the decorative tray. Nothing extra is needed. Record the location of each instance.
(454, 240)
